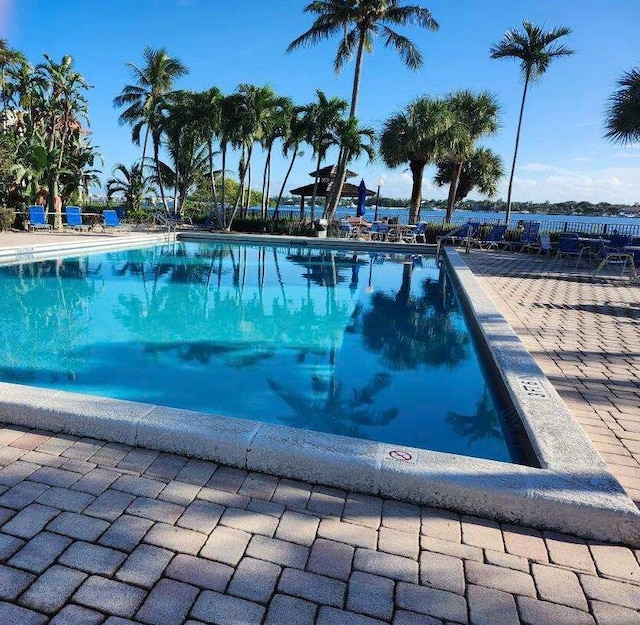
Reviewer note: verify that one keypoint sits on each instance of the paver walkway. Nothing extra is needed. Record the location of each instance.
(104, 533)
(585, 335)
(95, 533)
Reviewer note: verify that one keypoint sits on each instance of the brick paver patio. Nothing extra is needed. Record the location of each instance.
(94, 532)
(585, 335)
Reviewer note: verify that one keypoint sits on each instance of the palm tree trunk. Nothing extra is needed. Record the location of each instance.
(267, 164)
(144, 147)
(242, 172)
(222, 199)
(248, 202)
(266, 201)
(515, 152)
(213, 183)
(175, 190)
(417, 170)
(453, 189)
(241, 190)
(343, 160)
(284, 183)
(315, 188)
(156, 158)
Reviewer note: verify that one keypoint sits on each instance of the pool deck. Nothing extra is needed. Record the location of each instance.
(98, 532)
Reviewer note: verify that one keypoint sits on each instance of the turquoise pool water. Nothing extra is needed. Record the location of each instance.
(358, 344)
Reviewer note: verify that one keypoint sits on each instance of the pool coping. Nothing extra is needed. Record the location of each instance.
(572, 492)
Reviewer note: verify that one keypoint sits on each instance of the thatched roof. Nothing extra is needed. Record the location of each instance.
(330, 171)
(325, 188)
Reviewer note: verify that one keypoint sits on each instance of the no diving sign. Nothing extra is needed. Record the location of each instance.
(400, 455)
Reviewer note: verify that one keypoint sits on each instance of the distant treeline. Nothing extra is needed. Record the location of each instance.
(551, 208)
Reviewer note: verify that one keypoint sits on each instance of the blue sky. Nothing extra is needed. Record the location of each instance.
(562, 155)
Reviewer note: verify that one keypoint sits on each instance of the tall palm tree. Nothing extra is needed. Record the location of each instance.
(63, 106)
(276, 126)
(415, 136)
(623, 112)
(187, 144)
(255, 107)
(297, 133)
(358, 23)
(152, 81)
(535, 48)
(323, 119)
(207, 115)
(475, 115)
(481, 170)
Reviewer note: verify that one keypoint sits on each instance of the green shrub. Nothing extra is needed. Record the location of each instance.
(7, 217)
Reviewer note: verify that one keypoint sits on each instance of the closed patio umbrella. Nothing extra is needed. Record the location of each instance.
(362, 198)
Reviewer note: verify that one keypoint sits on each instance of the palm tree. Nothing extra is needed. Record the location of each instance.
(358, 22)
(186, 145)
(276, 126)
(415, 136)
(131, 182)
(474, 117)
(323, 119)
(246, 120)
(151, 82)
(482, 170)
(297, 133)
(535, 48)
(623, 111)
(10, 60)
(63, 105)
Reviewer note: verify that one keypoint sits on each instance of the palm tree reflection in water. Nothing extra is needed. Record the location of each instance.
(481, 425)
(409, 331)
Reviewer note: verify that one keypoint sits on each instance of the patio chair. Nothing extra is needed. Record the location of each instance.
(544, 244)
(494, 238)
(612, 256)
(74, 218)
(37, 218)
(569, 246)
(112, 221)
(378, 231)
(619, 241)
(529, 235)
(411, 235)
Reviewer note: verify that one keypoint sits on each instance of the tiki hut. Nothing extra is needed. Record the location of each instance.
(326, 180)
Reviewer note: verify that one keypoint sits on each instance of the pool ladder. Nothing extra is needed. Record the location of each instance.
(165, 221)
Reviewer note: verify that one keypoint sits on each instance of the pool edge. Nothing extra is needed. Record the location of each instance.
(574, 492)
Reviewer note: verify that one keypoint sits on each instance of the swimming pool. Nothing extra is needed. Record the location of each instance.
(364, 344)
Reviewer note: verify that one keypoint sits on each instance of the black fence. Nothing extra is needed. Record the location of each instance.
(547, 226)
(560, 226)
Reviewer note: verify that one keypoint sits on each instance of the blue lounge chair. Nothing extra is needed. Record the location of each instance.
(494, 238)
(74, 218)
(619, 241)
(37, 218)
(544, 244)
(112, 221)
(569, 246)
(612, 256)
(378, 231)
(411, 235)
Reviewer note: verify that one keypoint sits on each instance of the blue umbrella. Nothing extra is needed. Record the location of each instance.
(362, 198)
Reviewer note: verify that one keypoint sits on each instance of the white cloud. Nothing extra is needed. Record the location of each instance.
(618, 185)
(534, 182)
(535, 167)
